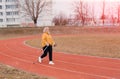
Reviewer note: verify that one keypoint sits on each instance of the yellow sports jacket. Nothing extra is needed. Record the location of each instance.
(47, 39)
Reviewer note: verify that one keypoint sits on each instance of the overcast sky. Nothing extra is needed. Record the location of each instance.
(66, 6)
(63, 6)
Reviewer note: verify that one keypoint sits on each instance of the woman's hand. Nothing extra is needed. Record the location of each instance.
(47, 44)
(54, 44)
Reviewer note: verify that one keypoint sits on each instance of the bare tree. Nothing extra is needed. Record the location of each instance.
(118, 21)
(111, 14)
(81, 10)
(93, 13)
(60, 19)
(103, 12)
(33, 8)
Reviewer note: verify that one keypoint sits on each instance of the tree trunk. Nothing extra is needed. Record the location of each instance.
(35, 22)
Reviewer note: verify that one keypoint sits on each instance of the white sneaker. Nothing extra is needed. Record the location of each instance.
(51, 63)
(40, 60)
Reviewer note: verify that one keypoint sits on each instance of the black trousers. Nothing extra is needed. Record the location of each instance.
(47, 49)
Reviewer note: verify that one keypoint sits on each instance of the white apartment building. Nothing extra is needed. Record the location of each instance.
(10, 15)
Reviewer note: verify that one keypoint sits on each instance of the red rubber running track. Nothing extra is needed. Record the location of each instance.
(16, 53)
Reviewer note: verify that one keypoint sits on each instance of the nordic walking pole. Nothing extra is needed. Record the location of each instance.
(42, 52)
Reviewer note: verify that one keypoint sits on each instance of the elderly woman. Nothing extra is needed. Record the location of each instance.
(47, 44)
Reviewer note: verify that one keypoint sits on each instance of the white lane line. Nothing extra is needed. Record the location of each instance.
(59, 68)
(86, 65)
(106, 68)
(78, 64)
(69, 70)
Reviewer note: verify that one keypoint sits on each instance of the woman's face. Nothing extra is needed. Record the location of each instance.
(47, 29)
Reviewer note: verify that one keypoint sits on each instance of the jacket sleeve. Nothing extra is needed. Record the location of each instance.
(53, 42)
(44, 39)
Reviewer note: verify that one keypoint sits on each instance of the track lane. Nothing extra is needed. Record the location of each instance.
(73, 66)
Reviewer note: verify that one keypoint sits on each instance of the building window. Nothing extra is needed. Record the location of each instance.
(12, 13)
(1, 20)
(8, 13)
(1, 13)
(11, 6)
(12, 19)
(0, 6)
(11, 0)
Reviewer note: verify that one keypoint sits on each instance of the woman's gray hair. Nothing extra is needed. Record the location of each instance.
(45, 29)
